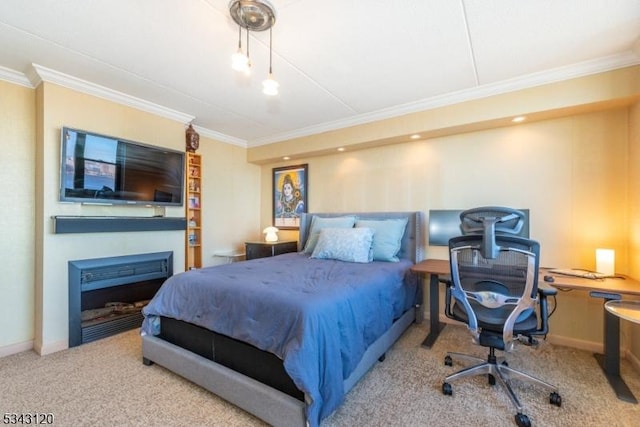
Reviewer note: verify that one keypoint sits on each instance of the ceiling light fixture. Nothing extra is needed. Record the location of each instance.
(518, 119)
(256, 15)
(240, 61)
(269, 85)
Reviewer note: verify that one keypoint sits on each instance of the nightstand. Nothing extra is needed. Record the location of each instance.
(266, 249)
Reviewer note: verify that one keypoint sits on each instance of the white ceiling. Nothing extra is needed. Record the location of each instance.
(339, 62)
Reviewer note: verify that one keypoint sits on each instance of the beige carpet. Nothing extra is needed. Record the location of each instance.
(104, 383)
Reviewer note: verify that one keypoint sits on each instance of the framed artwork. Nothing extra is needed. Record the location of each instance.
(290, 187)
(194, 202)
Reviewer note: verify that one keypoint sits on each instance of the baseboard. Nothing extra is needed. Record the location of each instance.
(594, 347)
(8, 350)
(44, 349)
(633, 359)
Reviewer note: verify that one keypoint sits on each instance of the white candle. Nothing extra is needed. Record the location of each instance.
(605, 261)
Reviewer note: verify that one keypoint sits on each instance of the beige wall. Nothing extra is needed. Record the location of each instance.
(629, 330)
(230, 199)
(568, 171)
(17, 209)
(36, 259)
(571, 172)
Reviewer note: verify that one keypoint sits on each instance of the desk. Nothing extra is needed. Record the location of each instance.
(435, 268)
(608, 289)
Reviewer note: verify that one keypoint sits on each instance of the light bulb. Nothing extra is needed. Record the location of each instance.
(270, 86)
(240, 62)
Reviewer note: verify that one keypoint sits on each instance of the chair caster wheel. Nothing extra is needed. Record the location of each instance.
(448, 361)
(504, 363)
(522, 420)
(492, 379)
(447, 390)
(555, 399)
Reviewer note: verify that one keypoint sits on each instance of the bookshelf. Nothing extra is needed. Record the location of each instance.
(193, 240)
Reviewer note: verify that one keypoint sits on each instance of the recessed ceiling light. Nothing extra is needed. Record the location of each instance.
(341, 149)
(286, 158)
(518, 119)
(415, 136)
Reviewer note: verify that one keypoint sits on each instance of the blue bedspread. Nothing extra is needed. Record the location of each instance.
(318, 316)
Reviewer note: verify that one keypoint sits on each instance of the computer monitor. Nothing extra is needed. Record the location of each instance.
(445, 224)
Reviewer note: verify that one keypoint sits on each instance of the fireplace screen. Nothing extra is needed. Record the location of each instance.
(106, 295)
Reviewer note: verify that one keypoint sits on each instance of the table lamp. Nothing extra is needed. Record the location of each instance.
(271, 234)
(605, 261)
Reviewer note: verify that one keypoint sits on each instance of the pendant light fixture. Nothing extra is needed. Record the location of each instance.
(240, 61)
(269, 85)
(254, 15)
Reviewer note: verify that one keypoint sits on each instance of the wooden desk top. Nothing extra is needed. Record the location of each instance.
(432, 266)
(624, 285)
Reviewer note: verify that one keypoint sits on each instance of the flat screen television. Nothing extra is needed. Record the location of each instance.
(102, 169)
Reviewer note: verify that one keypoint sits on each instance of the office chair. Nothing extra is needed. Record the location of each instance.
(494, 290)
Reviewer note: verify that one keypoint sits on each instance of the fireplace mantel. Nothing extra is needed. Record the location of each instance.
(104, 224)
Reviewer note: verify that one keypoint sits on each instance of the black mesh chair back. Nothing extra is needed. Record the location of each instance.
(495, 296)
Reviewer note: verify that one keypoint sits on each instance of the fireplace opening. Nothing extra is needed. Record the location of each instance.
(106, 295)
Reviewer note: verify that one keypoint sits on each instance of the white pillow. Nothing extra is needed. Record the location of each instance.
(318, 223)
(345, 244)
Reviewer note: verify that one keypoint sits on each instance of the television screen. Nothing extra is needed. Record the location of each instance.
(445, 224)
(102, 169)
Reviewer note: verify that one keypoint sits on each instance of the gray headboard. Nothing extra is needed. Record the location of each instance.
(411, 247)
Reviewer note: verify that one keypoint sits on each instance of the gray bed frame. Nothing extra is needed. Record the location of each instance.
(263, 401)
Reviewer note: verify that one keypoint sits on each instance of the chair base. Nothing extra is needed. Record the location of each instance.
(497, 368)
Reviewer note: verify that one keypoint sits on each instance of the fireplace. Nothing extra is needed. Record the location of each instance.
(106, 295)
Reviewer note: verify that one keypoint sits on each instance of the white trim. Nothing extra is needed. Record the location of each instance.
(13, 76)
(8, 350)
(586, 68)
(52, 76)
(220, 136)
(38, 73)
(635, 361)
(591, 346)
(44, 349)
(594, 347)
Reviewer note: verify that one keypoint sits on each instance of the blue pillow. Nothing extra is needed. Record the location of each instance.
(387, 237)
(345, 244)
(318, 223)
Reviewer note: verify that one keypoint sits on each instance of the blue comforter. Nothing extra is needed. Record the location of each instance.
(318, 316)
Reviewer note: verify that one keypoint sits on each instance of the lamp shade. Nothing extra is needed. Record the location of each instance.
(606, 261)
(271, 234)
(270, 86)
(240, 62)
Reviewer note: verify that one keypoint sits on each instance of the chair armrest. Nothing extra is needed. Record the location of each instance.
(544, 291)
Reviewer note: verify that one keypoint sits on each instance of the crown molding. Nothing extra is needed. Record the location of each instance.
(220, 136)
(15, 77)
(586, 68)
(39, 74)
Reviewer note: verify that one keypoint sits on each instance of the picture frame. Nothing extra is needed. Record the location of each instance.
(194, 202)
(290, 190)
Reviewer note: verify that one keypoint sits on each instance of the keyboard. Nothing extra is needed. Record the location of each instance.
(576, 272)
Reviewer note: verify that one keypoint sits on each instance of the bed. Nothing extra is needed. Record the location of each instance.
(286, 337)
